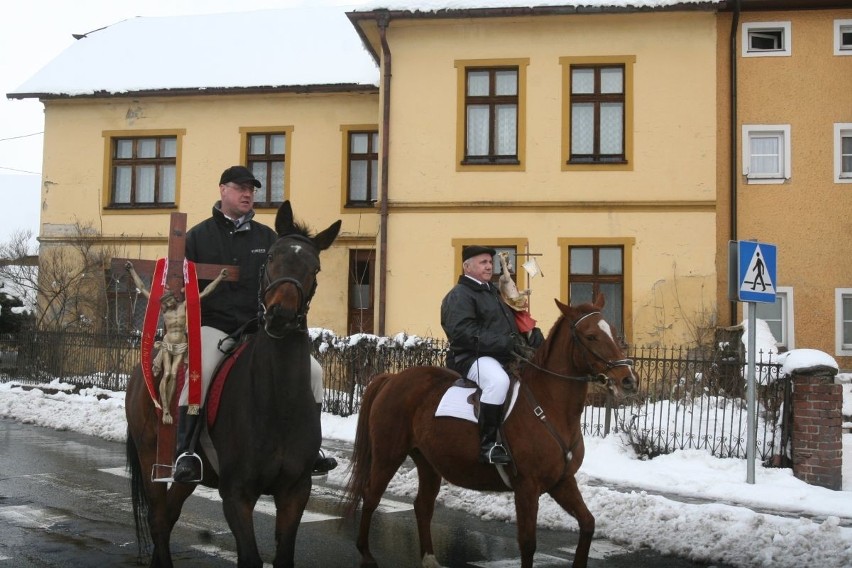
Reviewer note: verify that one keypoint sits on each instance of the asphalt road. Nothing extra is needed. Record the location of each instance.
(65, 502)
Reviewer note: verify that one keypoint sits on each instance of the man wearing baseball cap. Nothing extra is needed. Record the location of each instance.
(230, 236)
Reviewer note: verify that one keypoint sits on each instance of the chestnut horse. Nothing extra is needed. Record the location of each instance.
(397, 419)
(267, 431)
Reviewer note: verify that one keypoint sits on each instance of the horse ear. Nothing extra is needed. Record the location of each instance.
(324, 239)
(600, 301)
(284, 219)
(562, 307)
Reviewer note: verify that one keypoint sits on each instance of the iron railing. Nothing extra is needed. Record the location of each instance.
(687, 398)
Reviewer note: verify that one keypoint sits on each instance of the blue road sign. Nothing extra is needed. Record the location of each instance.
(757, 270)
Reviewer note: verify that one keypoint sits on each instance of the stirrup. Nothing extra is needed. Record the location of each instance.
(185, 463)
(501, 458)
(322, 465)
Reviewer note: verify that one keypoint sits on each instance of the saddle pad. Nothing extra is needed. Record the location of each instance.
(215, 394)
(454, 403)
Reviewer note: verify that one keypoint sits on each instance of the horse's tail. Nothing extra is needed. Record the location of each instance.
(137, 496)
(362, 453)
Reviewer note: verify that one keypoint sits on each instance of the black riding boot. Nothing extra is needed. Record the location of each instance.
(323, 464)
(187, 464)
(489, 421)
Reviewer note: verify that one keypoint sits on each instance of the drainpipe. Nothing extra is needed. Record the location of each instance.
(383, 22)
(735, 21)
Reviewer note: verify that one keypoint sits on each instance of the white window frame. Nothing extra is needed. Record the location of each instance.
(784, 294)
(756, 27)
(841, 349)
(841, 130)
(782, 131)
(839, 27)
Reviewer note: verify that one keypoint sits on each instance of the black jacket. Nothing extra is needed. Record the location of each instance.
(477, 323)
(217, 240)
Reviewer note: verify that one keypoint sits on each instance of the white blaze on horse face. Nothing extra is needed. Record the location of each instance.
(296, 248)
(606, 329)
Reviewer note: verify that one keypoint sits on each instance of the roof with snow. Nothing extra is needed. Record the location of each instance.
(286, 49)
(303, 49)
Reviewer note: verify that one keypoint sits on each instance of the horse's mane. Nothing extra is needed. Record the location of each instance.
(300, 229)
(554, 340)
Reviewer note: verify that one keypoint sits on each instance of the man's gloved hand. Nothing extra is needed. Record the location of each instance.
(521, 348)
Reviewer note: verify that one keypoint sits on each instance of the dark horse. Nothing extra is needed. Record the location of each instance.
(397, 419)
(267, 432)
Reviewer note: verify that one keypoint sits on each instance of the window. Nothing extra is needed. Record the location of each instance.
(143, 171)
(593, 270)
(766, 153)
(842, 37)
(265, 156)
(363, 168)
(766, 39)
(843, 152)
(597, 114)
(779, 317)
(843, 315)
(491, 114)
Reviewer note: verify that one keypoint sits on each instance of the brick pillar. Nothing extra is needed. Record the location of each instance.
(817, 429)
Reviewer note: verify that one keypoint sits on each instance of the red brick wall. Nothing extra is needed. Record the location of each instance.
(817, 430)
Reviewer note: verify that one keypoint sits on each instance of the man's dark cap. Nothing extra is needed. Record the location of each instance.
(476, 250)
(239, 175)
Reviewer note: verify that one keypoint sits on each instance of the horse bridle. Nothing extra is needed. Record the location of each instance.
(601, 377)
(270, 285)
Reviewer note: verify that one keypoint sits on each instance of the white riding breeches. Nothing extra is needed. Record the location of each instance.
(489, 374)
(211, 355)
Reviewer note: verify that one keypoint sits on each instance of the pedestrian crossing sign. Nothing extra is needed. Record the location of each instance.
(757, 271)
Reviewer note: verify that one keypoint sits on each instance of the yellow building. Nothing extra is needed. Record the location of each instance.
(594, 142)
(575, 137)
(787, 182)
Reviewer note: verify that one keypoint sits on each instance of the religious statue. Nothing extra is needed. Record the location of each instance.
(174, 344)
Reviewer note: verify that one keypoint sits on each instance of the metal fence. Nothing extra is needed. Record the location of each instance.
(686, 398)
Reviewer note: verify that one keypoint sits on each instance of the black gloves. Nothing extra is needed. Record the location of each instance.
(521, 348)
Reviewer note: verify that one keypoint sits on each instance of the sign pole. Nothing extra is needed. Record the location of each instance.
(750, 395)
(757, 262)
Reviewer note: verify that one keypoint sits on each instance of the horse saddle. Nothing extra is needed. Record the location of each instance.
(462, 399)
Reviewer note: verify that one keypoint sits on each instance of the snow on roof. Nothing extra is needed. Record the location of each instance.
(290, 47)
(264, 48)
(436, 5)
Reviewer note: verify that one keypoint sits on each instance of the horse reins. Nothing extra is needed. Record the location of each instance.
(601, 378)
(270, 285)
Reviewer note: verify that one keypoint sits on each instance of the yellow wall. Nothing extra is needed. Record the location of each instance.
(76, 160)
(809, 217)
(664, 204)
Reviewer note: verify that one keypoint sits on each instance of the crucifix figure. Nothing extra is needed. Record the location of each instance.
(167, 435)
(174, 343)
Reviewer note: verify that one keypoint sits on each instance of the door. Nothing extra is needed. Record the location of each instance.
(362, 267)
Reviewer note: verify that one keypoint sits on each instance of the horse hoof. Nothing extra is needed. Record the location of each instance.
(429, 561)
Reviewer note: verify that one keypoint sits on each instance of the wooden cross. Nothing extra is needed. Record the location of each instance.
(167, 433)
(176, 254)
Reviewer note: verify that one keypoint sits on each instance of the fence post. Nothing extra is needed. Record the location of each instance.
(817, 427)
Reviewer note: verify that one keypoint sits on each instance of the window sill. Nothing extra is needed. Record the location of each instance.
(765, 181)
(140, 206)
(491, 162)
